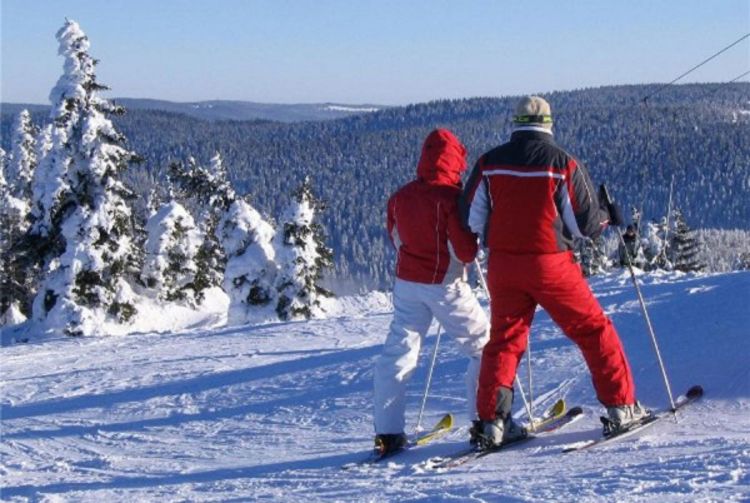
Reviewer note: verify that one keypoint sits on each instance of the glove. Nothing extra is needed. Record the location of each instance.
(615, 215)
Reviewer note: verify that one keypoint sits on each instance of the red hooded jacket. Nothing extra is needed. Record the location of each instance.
(423, 219)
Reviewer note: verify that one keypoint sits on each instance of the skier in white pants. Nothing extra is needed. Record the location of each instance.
(433, 250)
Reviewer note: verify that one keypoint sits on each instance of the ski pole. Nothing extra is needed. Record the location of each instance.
(418, 428)
(526, 403)
(609, 202)
(528, 374)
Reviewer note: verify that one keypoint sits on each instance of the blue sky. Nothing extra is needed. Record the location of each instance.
(360, 51)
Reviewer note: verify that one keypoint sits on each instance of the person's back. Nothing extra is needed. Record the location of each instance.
(423, 219)
(541, 197)
(433, 249)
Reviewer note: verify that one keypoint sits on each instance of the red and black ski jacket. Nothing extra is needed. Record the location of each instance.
(423, 218)
(529, 196)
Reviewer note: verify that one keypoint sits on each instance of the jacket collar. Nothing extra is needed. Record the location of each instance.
(532, 134)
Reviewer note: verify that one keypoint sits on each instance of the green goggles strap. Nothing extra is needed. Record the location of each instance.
(535, 119)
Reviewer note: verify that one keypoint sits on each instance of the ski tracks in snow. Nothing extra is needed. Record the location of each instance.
(274, 411)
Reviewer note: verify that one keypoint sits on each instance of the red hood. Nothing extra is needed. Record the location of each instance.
(443, 159)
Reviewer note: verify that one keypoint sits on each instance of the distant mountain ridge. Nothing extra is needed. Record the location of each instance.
(695, 134)
(231, 109)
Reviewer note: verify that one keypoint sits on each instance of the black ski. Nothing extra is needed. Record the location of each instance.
(691, 396)
(473, 453)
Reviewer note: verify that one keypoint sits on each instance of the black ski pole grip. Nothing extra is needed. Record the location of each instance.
(615, 214)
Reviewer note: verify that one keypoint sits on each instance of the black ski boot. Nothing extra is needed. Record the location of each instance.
(476, 431)
(501, 430)
(388, 443)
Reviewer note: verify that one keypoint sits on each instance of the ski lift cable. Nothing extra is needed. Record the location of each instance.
(644, 101)
(721, 86)
(739, 77)
(685, 74)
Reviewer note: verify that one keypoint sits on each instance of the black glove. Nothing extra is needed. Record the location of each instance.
(615, 215)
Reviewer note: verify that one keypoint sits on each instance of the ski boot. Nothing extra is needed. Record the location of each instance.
(501, 430)
(475, 432)
(621, 417)
(388, 443)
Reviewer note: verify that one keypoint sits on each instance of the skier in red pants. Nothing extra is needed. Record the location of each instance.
(528, 200)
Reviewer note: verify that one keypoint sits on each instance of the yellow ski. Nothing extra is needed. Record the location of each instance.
(441, 428)
(553, 413)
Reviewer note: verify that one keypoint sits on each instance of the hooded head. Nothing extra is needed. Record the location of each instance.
(443, 159)
(533, 111)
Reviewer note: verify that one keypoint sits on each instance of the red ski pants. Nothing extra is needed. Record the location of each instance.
(518, 283)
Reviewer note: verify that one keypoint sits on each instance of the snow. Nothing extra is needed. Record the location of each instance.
(12, 207)
(77, 68)
(271, 412)
(12, 316)
(342, 108)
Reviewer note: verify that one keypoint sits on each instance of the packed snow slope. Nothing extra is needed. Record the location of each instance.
(273, 412)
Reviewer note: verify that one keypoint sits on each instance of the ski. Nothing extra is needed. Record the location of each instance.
(552, 414)
(550, 425)
(554, 424)
(441, 428)
(470, 454)
(693, 394)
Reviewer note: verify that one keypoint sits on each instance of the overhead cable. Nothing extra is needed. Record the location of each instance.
(660, 89)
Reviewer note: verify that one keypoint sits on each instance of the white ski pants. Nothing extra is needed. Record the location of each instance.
(461, 317)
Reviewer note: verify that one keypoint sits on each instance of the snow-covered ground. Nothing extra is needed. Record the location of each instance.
(272, 412)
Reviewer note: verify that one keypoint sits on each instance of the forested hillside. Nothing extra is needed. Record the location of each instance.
(698, 133)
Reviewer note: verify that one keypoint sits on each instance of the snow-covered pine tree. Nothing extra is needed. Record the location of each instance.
(209, 191)
(20, 170)
(85, 202)
(18, 277)
(3, 158)
(49, 186)
(742, 262)
(14, 284)
(172, 244)
(302, 257)
(655, 246)
(36, 240)
(247, 240)
(237, 251)
(635, 217)
(685, 246)
(43, 145)
(592, 255)
(155, 200)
